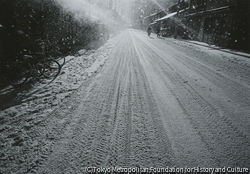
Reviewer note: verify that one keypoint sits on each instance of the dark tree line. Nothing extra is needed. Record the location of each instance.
(28, 26)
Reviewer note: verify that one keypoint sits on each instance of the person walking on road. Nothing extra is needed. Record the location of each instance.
(149, 31)
(158, 29)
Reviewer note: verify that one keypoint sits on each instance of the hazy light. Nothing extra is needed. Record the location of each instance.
(92, 10)
(155, 2)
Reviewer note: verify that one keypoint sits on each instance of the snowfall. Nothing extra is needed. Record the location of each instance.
(38, 102)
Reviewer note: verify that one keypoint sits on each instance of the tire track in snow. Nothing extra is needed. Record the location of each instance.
(101, 154)
(128, 126)
(138, 112)
(156, 146)
(91, 124)
(163, 154)
(203, 115)
(229, 89)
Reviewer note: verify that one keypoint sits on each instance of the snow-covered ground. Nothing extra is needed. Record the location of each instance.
(135, 102)
(40, 99)
(75, 71)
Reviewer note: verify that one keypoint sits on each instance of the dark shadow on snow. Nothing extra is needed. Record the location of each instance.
(161, 38)
(12, 96)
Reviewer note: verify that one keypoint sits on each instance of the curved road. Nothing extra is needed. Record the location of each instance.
(155, 103)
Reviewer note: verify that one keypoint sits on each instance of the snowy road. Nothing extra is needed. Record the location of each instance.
(158, 103)
(155, 103)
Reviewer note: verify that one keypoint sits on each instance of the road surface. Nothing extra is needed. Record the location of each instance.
(155, 103)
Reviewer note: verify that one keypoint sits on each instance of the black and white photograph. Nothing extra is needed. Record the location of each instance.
(125, 86)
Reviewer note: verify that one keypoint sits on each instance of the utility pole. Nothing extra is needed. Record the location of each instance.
(89, 8)
(178, 8)
(176, 23)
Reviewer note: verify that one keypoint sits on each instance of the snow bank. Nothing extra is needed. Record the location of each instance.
(38, 102)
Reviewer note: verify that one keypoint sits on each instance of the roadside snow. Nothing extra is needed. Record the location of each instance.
(75, 71)
(38, 101)
(203, 45)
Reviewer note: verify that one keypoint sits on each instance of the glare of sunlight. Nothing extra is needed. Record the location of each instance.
(174, 18)
(162, 8)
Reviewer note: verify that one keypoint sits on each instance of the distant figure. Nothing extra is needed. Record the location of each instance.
(149, 31)
(176, 31)
(158, 29)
